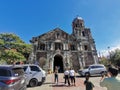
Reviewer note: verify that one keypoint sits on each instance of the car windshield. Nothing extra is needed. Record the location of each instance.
(86, 67)
(25, 67)
(18, 71)
(5, 73)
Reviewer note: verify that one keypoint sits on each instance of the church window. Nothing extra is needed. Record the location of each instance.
(83, 33)
(42, 46)
(58, 46)
(76, 25)
(85, 47)
(49, 46)
(81, 24)
(72, 47)
(58, 35)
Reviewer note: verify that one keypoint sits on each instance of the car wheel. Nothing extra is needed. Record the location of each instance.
(87, 74)
(33, 82)
(103, 73)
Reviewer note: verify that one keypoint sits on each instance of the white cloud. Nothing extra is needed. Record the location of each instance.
(106, 52)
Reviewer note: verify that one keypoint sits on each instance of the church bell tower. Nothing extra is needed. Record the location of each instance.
(78, 27)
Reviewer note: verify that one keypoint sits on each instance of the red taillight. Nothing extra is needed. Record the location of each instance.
(9, 81)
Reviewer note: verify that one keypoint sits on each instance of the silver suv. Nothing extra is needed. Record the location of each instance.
(12, 78)
(34, 74)
(95, 69)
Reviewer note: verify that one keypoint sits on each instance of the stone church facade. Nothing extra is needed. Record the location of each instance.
(58, 48)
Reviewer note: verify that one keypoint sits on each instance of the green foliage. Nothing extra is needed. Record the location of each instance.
(2, 61)
(115, 57)
(12, 56)
(9, 37)
(12, 48)
(104, 61)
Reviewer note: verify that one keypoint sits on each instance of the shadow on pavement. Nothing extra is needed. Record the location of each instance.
(48, 83)
(84, 76)
(61, 85)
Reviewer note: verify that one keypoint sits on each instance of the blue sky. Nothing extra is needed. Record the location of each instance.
(29, 18)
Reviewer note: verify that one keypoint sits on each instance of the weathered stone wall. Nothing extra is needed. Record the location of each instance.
(77, 50)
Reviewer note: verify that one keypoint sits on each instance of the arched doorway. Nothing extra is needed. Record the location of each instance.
(58, 61)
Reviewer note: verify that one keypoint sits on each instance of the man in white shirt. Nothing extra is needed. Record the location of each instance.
(66, 76)
(72, 76)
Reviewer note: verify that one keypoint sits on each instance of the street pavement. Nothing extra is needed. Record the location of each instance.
(50, 85)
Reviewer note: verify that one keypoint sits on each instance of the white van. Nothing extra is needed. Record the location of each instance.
(34, 74)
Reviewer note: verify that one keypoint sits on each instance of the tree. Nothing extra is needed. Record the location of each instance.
(104, 60)
(115, 57)
(12, 56)
(12, 48)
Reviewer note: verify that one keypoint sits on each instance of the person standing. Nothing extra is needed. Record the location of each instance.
(72, 76)
(56, 75)
(66, 77)
(111, 82)
(88, 84)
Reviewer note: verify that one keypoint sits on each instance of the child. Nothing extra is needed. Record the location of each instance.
(89, 85)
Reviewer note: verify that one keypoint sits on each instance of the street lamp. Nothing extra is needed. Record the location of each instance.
(109, 54)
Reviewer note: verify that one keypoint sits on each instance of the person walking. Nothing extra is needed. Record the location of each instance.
(72, 76)
(66, 76)
(111, 82)
(56, 75)
(88, 84)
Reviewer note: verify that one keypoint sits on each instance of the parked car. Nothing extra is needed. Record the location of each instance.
(95, 69)
(12, 78)
(35, 75)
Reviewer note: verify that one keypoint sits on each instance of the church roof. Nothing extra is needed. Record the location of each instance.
(51, 35)
(79, 18)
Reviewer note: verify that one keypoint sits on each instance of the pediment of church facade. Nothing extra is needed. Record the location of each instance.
(56, 35)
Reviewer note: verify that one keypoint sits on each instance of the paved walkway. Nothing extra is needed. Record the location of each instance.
(79, 84)
(50, 85)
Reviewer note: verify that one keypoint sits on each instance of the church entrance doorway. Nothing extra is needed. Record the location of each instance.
(58, 61)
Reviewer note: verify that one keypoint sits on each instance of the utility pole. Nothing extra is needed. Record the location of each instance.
(109, 54)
